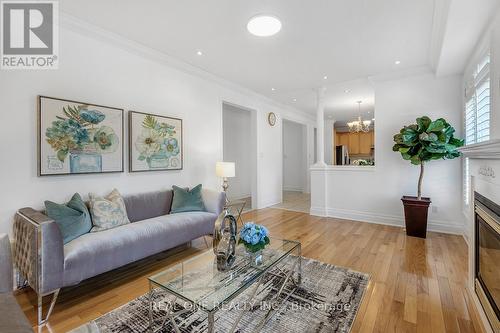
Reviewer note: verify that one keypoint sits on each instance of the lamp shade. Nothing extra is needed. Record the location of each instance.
(225, 169)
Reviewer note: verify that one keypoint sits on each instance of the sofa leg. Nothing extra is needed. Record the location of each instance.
(42, 321)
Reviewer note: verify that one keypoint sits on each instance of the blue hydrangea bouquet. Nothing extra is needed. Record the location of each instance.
(254, 237)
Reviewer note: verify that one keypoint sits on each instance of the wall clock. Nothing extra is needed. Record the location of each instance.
(271, 118)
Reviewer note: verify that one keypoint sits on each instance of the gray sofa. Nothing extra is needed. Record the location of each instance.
(12, 318)
(48, 265)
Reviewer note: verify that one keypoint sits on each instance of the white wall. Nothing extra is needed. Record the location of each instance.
(329, 138)
(374, 195)
(98, 67)
(238, 148)
(294, 156)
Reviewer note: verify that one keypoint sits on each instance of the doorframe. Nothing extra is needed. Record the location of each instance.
(306, 129)
(253, 140)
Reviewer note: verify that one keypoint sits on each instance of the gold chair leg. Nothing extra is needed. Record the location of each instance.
(42, 321)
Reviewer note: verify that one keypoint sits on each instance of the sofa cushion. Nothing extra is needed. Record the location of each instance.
(73, 218)
(186, 200)
(147, 205)
(107, 212)
(99, 252)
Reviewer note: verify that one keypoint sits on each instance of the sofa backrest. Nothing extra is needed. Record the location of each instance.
(148, 205)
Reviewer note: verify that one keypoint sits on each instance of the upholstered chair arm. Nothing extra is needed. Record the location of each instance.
(213, 200)
(38, 250)
(6, 272)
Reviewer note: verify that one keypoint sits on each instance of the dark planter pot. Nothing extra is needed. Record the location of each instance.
(416, 215)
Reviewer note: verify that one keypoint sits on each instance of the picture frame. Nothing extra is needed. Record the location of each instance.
(78, 138)
(155, 142)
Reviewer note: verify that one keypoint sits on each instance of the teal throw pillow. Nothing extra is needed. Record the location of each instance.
(72, 218)
(187, 200)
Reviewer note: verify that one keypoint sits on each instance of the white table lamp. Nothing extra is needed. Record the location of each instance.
(225, 170)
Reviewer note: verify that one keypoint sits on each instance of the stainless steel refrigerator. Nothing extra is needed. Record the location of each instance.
(341, 155)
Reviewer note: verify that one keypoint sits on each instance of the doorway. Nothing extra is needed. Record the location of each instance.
(239, 146)
(295, 168)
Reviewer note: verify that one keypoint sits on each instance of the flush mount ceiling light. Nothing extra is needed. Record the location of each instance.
(199, 53)
(264, 25)
(397, 62)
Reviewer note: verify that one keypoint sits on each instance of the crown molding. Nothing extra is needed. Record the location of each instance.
(439, 22)
(89, 30)
(484, 150)
(401, 74)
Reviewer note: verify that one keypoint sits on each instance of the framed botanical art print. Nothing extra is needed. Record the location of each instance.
(155, 142)
(78, 138)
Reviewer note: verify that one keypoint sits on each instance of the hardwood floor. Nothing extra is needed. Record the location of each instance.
(295, 201)
(416, 285)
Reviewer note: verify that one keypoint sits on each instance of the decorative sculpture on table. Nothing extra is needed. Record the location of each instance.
(224, 241)
(224, 238)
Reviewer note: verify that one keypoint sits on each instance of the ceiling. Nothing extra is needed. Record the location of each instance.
(345, 40)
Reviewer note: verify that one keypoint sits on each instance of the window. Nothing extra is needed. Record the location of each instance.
(476, 114)
(477, 105)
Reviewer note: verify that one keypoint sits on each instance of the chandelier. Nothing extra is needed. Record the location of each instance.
(359, 125)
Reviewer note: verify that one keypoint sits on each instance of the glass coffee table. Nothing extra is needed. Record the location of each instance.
(198, 284)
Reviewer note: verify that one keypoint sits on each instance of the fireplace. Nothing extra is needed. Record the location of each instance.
(487, 258)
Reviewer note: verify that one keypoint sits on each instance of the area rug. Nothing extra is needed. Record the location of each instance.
(326, 301)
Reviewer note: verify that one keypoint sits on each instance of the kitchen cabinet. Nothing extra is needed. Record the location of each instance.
(353, 143)
(343, 139)
(357, 143)
(365, 143)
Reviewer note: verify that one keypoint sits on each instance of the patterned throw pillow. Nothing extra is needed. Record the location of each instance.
(107, 212)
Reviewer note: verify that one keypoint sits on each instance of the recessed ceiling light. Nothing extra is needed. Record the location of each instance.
(397, 62)
(325, 77)
(295, 100)
(347, 91)
(199, 53)
(273, 89)
(264, 25)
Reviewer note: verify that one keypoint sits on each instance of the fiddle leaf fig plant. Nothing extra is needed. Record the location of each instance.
(425, 141)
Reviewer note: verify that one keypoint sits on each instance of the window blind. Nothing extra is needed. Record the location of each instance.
(477, 105)
(476, 114)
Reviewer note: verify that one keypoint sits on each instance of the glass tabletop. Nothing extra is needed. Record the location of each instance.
(198, 281)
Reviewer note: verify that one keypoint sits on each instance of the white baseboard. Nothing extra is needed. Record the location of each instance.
(318, 211)
(293, 189)
(240, 196)
(392, 220)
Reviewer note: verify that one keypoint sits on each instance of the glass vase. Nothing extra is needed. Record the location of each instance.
(254, 258)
